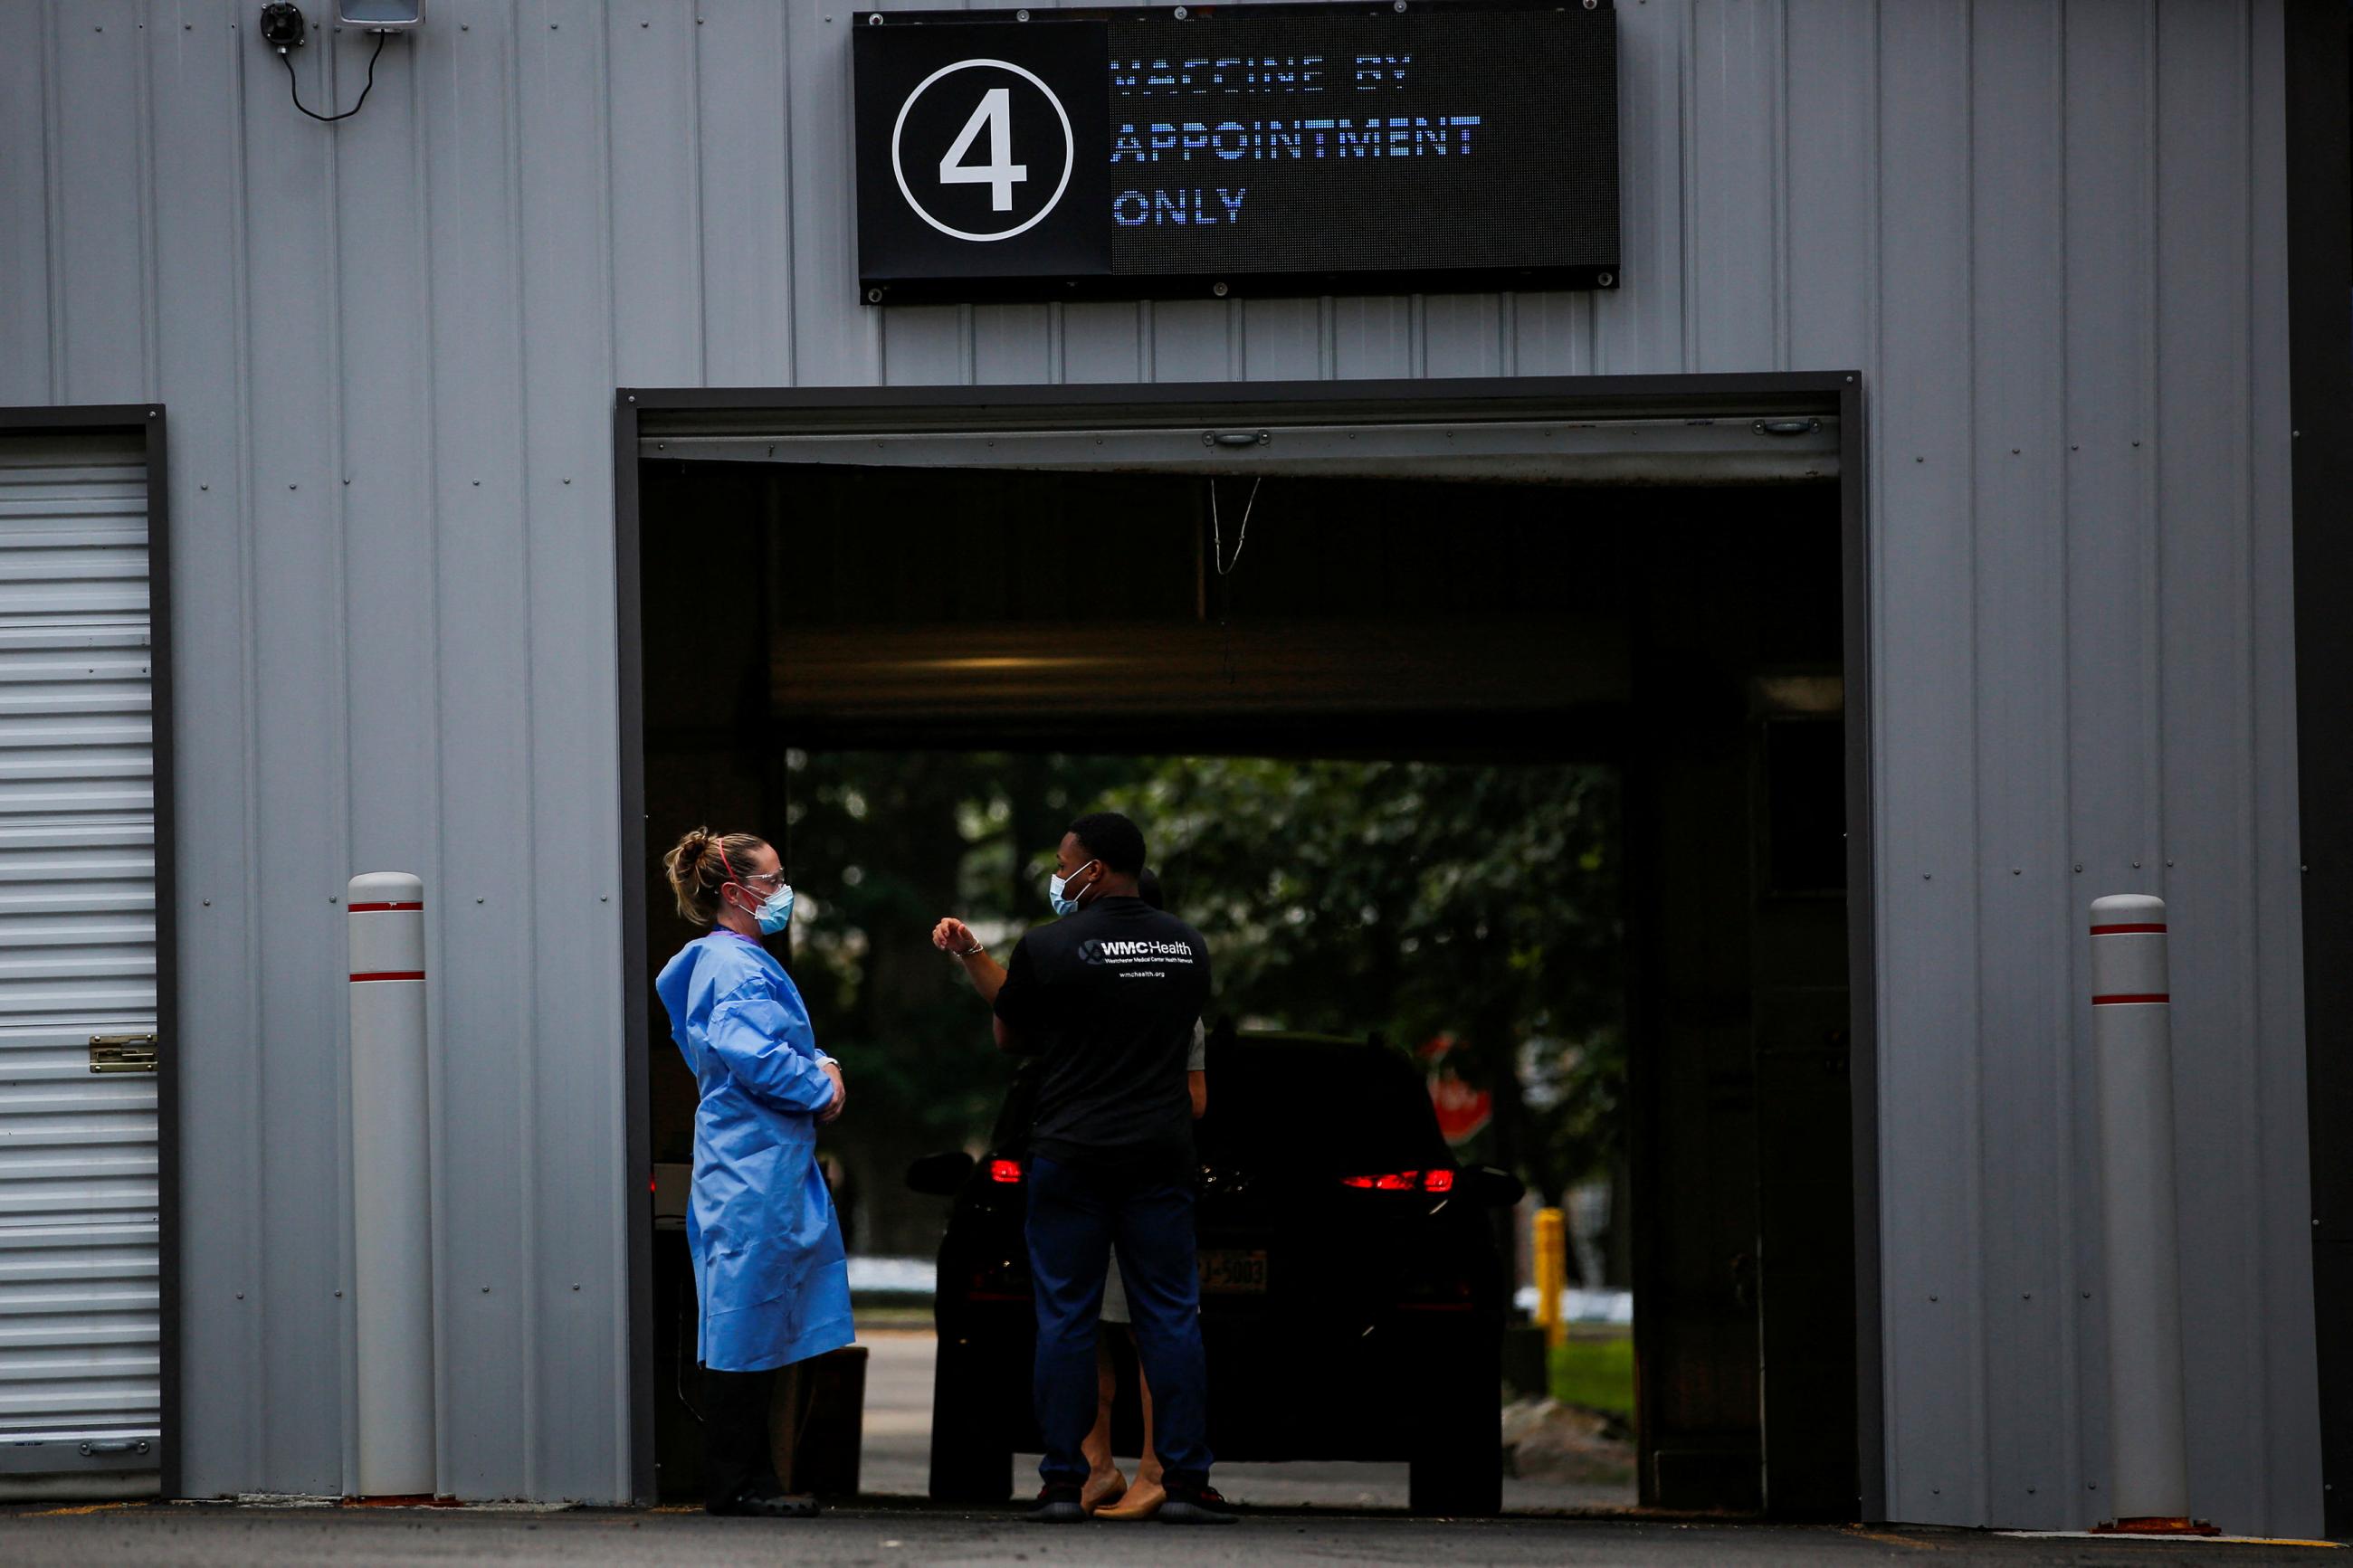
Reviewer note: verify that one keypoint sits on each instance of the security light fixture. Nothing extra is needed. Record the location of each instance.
(282, 26)
(381, 15)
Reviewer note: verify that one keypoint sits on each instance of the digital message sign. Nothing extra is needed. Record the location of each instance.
(1252, 150)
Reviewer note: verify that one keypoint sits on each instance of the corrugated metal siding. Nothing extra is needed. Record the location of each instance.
(79, 1336)
(2049, 235)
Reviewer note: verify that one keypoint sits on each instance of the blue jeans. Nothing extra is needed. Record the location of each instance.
(1077, 1213)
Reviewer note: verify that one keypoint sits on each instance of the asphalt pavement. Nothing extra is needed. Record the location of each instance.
(225, 1536)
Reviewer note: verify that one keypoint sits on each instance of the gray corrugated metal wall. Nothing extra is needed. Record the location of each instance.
(2050, 235)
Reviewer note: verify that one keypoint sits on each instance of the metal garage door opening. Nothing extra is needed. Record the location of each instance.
(1648, 603)
(87, 1281)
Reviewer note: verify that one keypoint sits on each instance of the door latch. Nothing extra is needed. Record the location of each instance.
(123, 1053)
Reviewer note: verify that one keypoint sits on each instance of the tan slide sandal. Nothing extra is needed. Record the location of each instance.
(1100, 1490)
(1141, 1502)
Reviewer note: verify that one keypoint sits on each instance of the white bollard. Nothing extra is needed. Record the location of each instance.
(391, 1242)
(2148, 1469)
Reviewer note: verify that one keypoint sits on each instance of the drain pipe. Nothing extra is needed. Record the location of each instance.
(392, 1243)
(2132, 1045)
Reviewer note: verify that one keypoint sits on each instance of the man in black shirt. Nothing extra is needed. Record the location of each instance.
(1108, 996)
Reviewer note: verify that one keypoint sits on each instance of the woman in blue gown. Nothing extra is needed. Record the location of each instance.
(768, 1265)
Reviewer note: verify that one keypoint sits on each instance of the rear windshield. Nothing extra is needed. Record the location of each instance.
(1317, 1108)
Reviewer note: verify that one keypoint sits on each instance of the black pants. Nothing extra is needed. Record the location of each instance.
(736, 1459)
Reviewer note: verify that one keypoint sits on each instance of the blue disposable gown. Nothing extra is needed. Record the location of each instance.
(768, 1264)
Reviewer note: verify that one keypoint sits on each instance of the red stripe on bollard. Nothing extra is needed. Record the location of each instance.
(2112, 1001)
(378, 908)
(2123, 930)
(391, 974)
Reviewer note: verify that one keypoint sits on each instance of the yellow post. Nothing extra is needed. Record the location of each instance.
(1552, 1274)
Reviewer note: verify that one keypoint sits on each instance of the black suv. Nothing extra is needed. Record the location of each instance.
(1352, 1292)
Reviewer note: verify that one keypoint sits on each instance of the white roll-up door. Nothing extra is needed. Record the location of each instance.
(79, 1386)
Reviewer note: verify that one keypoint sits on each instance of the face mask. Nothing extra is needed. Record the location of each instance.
(776, 912)
(1058, 892)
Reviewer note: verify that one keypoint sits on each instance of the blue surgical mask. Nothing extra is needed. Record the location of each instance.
(1056, 893)
(776, 910)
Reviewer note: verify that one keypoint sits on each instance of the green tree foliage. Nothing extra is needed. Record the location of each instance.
(1420, 900)
(1411, 900)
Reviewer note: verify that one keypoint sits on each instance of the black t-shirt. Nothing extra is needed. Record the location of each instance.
(1109, 997)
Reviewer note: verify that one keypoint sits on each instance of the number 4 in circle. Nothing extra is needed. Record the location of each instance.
(1000, 174)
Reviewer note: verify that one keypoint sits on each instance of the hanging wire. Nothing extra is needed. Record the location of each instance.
(294, 90)
(1216, 536)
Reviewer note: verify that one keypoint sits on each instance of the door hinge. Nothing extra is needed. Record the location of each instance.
(123, 1053)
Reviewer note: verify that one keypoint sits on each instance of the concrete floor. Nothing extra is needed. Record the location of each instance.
(226, 1536)
(1304, 1513)
(896, 1456)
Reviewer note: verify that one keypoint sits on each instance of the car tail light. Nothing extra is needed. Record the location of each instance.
(1404, 1182)
(1006, 1171)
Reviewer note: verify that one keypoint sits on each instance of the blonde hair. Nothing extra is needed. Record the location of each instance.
(703, 862)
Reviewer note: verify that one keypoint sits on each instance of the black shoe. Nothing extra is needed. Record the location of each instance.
(766, 1505)
(1190, 1503)
(1058, 1503)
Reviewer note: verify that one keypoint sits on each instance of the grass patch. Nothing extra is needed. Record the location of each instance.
(1597, 1373)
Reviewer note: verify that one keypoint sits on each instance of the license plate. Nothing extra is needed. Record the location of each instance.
(1233, 1270)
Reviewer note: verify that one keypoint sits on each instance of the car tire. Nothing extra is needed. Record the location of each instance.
(1465, 1484)
(1458, 1466)
(971, 1460)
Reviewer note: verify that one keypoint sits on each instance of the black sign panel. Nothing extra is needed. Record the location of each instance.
(1262, 150)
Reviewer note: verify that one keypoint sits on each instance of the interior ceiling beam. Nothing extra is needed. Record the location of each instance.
(1746, 449)
(974, 674)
